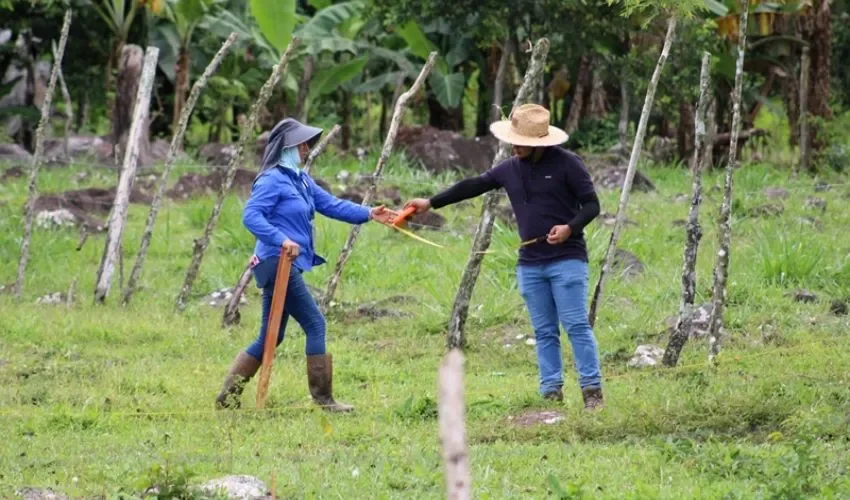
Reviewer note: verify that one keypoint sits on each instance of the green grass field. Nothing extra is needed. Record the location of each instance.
(105, 400)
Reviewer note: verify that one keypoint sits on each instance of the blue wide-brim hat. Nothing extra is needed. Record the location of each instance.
(287, 133)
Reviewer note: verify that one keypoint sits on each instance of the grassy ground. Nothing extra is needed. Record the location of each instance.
(103, 400)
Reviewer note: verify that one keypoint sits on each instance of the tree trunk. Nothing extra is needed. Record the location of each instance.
(181, 86)
(444, 118)
(721, 267)
(817, 31)
(69, 110)
(499, 85)
(246, 135)
(304, 88)
(630, 173)
(25, 135)
(118, 215)
(694, 231)
(685, 131)
(382, 124)
(484, 230)
(805, 144)
(36, 157)
(130, 69)
(791, 98)
(389, 142)
(598, 105)
(577, 103)
(452, 420)
(623, 125)
(710, 133)
(173, 151)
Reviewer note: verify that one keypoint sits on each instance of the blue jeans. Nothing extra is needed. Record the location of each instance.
(299, 304)
(556, 292)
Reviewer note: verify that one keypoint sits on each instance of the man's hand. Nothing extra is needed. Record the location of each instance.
(382, 215)
(291, 249)
(559, 234)
(422, 205)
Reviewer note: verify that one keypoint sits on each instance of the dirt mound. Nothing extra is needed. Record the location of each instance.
(429, 220)
(441, 150)
(13, 153)
(389, 196)
(194, 185)
(12, 173)
(609, 172)
(97, 200)
(536, 417)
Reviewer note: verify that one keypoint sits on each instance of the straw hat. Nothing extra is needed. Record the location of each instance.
(529, 126)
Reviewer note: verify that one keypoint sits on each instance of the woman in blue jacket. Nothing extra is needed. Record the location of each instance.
(280, 213)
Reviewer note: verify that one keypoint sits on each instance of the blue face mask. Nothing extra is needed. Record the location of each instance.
(289, 158)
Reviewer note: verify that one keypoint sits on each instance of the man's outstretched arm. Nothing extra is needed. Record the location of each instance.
(463, 190)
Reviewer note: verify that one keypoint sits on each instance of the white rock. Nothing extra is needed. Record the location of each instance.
(215, 295)
(50, 298)
(237, 487)
(646, 355)
(355, 472)
(520, 337)
(55, 218)
(530, 342)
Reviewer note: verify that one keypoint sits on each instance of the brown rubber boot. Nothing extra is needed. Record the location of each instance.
(593, 398)
(244, 367)
(320, 380)
(555, 395)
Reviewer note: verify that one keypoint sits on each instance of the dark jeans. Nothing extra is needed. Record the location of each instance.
(299, 304)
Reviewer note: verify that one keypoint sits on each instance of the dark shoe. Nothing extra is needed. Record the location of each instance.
(555, 395)
(320, 380)
(244, 367)
(593, 398)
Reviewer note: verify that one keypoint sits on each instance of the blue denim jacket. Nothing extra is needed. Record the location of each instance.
(282, 206)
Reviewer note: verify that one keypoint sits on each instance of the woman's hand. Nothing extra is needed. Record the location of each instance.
(291, 249)
(382, 215)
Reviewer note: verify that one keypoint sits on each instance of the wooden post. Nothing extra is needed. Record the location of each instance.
(484, 230)
(245, 135)
(389, 142)
(637, 148)
(284, 266)
(694, 231)
(173, 151)
(231, 309)
(118, 215)
(721, 266)
(37, 156)
(453, 427)
(805, 143)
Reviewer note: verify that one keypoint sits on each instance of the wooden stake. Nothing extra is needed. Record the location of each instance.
(245, 135)
(805, 144)
(721, 267)
(284, 267)
(173, 151)
(37, 156)
(118, 215)
(231, 310)
(453, 427)
(694, 231)
(484, 230)
(637, 148)
(389, 142)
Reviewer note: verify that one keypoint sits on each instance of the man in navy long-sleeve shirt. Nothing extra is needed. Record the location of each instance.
(553, 198)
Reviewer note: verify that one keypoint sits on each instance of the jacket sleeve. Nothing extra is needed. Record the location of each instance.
(255, 216)
(342, 210)
(465, 189)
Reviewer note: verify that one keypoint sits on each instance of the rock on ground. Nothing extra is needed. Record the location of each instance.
(11, 173)
(839, 308)
(699, 322)
(442, 150)
(220, 297)
(609, 172)
(533, 417)
(237, 487)
(40, 494)
(646, 355)
(766, 210)
(776, 193)
(14, 153)
(803, 295)
(627, 264)
(815, 203)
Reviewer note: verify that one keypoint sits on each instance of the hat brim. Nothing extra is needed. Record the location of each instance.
(502, 131)
(300, 134)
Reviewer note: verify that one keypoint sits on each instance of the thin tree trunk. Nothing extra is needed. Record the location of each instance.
(382, 124)
(118, 215)
(452, 419)
(710, 133)
(245, 136)
(303, 90)
(39, 152)
(399, 88)
(633, 162)
(577, 104)
(805, 152)
(499, 86)
(389, 142)
(181, 86)
(231, 310)
(721, 267)
(173, 151)
(818, 33)
(693, 231)
(598, 106)
(345, 112)
(623, 125)
(684, 137)
(69, 110)
(484, 230)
